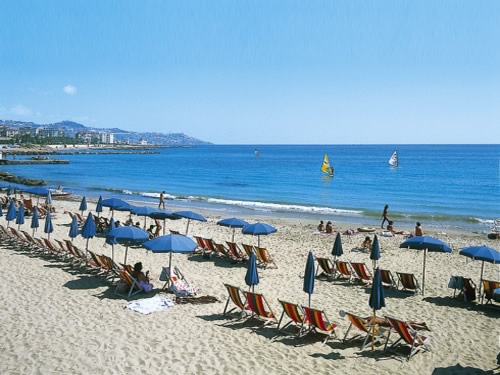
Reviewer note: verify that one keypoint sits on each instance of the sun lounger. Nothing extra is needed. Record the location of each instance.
(317, 321)
(264, 258)
(361, 272)
(408, 282)
(326, 266)
(209, 246)
(260, 308)
(248, 249)
(387, 279)
(178, 284)
(343, 269)
(201, 245)
(235, 296)
(236, 253)
(407, 336)
(366, 328)
(488, 287)
(294, 312)
(222, 250)
(130, 283)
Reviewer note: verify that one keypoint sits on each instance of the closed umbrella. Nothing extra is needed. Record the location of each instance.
(375, 252)
(48, 228)
(98, 207)
(337, 250)
(11, 213)
(258, 229)
(83, 205)
(232, 222)
(309, 276)
(377, 298)
(190, 215)
(163, 215)
(89, 229)
(484, 254)
(252, 277)
(48, 199)
(111, 226)
(20, 216)
(73, 229)
(127, 235)
(34, 220)
(426, 243)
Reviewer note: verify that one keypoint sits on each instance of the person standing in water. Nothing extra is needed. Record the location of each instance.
(162, 200)
(384, 216)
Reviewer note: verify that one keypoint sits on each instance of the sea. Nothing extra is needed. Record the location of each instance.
(442, 186)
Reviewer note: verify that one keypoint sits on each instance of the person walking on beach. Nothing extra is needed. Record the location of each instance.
(384, 216)
(162, 200)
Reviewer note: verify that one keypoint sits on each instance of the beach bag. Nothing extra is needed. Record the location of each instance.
(164, 274)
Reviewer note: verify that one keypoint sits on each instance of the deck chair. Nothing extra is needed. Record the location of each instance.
(235, 251)
(294, 312)
(408, 282)
(344, 270)
(222, 250)
(488, 288)
(174, 231)
(318, 322)
(177, 283)
(407, 336)
(235, 296)
(326, 266)
(248, 249)
(257, 304)
(366, 328)
(387, 279)
(264, 258)
(201, 245)
(361, 272)
(209, 246)
(131, 283)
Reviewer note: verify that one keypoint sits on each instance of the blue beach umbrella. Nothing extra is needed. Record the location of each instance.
(115, 204)
(73, 229)
(337, 247)
(232, 222)
(258, 229)
(34, 220)
(252, 277)
(375, 252)
(309, 276)
(127, 235)
(48, 199)
(143, 211)
(11, 213)
(190, 215)
(20, 216)
(48, 228)
(89, 229)
(110, 227)
(484, 254)
(163, 215)
(83, 205)
(377, 298)
(98, 207)
(426, 243)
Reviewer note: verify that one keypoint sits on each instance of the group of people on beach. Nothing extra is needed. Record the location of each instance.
(390, 224)
(327, 229)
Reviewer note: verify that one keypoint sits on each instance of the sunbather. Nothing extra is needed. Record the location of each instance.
(142, 279)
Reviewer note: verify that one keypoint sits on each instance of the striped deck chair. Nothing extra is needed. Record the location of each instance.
(210, 247)
(366, 328)
(248, 249)
(201, 245)
(234, 295)
(318, 321)
(326, 266)
(222, 250)
(361, 272)
(408, 282)
(387, 279)
(257, 304)
(95, 262)
(127, 267)
(264, 258)
(488, 287)
(407, 335)
(132, 285)
(344, 269)
(52, 247)
(294, 313)
(235, 251)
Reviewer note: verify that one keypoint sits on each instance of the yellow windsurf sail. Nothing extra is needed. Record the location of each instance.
(326, 168)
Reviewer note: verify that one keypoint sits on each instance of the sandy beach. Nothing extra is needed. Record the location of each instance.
(57, 319)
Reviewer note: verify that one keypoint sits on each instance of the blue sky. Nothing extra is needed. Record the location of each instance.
(258, 72)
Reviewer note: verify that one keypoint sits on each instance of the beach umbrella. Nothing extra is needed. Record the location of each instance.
(377, 298)
(426, 243)
(98, 207)
(20, 216)
(375, 252)
(143, 211)
(484, 254)
(111, 226)
(163, 215)
(34, 220)
(89, 229)
(171, 243)
(11, 213)
(309, 276)
(127, 235)
(39, 191)
(232, 222)
(252, 277)
(73, 228)
(48, 198)
(190, 215)
(83, 205)
(115, 204)
(258, 229)
(337, 247)
(48, 228)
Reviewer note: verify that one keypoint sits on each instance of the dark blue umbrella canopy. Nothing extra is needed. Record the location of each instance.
(127, 235)
(11, 212)
(111, 226)
(83, 204)
(171, 243)
(163, 214)
(89, 229)
(48, 199)
(309, 276)
(20, 215)
(484, 253)
(258, 229)
(337, 246)
(38, 190)
(375, 253)
(377, 298)
(143, 211)
(252, 277)
(114, 203)
(73, 229)
(190, 215)
(34, 219)
(98, 207)
(232, 222)
(48, 228)
(426, 243)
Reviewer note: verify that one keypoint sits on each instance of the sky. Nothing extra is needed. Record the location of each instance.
(258, 72)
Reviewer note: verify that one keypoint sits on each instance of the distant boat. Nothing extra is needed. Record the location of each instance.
(257, 153)
(326, 167)
(58, 192)
(393, 161)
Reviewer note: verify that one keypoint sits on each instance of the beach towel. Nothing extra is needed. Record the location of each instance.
(150, 305)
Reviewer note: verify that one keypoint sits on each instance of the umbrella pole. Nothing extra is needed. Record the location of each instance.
(33, 232)
(481, 281)
(309, 301)
(187, 227)
(258, 240)
(112, 213)
(374, 319)
(423, 275)
(87, 245)
(164, 224)
(126, 251)
(234, 229)
(113, 252)
(169, 269)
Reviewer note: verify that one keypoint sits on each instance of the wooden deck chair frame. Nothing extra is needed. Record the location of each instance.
(131, 282)
(248, 249)
(388, 279)
(488, 287)
(361, 272)
(235, 296)
(236, 252)
(326, 266)
(365, 327)
(264, 258)
(408, 281)
(201, 245)
(343, 269)
(222, 250)
(408, 335)
(257, 303)
(294, 312)
(318, 321)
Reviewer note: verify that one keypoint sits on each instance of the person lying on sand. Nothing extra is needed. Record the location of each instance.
(390, 228)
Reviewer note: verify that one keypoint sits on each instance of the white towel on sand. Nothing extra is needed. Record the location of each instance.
(150, 305)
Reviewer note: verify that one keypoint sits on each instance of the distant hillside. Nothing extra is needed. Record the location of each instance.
(120, 135)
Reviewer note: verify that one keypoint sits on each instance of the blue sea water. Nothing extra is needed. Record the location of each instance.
(441, 185)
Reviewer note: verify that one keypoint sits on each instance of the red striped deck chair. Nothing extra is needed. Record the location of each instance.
(387, 279)
(264, 257)
(257, 304)
(488, 288)
(209, 245)
(235, 251)
(201, 245)
(222, 250)
(408, 282)
(294, 312)
(127, 267)
(132, 285)
(248, 249)
(31, 242)
(366, 328)
(235, 296)
(95, 262)
(326, 266)
(318, 322)
(407, 336)
(52, 247)
(361, 272)
(344, 270)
